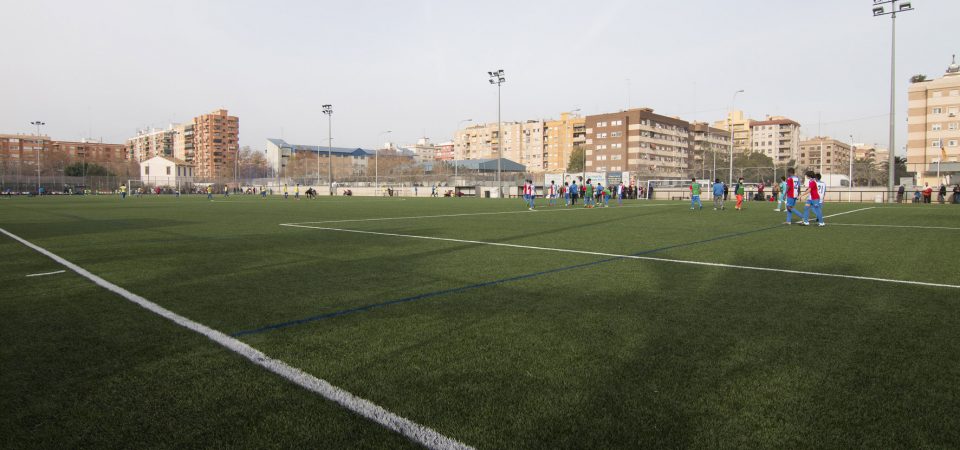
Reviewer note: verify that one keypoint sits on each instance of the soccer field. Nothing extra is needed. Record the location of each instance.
(476, 321)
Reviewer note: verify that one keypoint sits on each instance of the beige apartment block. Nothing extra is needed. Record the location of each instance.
(560, 137)
(522, 143)
(151, 142)
(707, 143)
(183, 146)
(933, 124)
(824, 155)
(640, 141)
(216, 140)
(862, 150)
(777, 137)
(741, 129)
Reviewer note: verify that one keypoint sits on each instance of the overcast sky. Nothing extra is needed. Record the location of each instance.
(106, 68)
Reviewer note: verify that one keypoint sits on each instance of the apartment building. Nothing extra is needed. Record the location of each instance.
(183, 144)
(639, 141)
(151, 142)
(444, 151)
(560, 137)
(862, 150)
(824, 155)
(741, 126)
(22, 149)
(706, 143)
(933, 125)
(216, 141)
(522, 142)
(777, 137)
(423, 150)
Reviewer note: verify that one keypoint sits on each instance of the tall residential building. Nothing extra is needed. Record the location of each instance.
(183, 144)
(741, 129)
(151, 142)
(824, 155)
(216, 141)
(638, 141)
(560, 137)
(933, 125)
(522, 142)
(777, 137)
(706, 144)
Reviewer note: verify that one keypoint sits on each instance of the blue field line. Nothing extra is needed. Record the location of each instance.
(470, 287)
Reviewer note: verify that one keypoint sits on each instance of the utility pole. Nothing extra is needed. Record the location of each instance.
(328, 110)
(497, 78)
(40, 146)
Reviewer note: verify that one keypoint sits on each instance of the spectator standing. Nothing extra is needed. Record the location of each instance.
(942, 194)
(927, 193)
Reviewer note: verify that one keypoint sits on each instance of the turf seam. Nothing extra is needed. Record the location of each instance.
(415, 432)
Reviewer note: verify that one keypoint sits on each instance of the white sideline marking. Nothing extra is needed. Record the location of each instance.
(893, 226)
(474, 214)
(848, 212)
(45, 273)
(413, 431)
(645, 258)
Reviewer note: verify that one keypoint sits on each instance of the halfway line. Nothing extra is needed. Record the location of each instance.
(418, 433)
(649, 258)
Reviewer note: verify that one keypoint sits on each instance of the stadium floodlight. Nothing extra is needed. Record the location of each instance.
(895, 7)
(730, 127)
(376, 164)
(40, 146)
(328, 110)
(497, 77)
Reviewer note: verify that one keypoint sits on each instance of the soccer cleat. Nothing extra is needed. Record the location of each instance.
(805, 223)
(777, 210)
(788, 223)
(821, 224)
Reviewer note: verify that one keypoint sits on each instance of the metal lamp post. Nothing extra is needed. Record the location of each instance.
(328, 110)
(879, 10)
(376, 164)
(852, 155)
(40, 143)
(497, 78)
(730, 125)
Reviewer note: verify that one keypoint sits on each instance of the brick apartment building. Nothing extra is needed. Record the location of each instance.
(640, 141)
(216, 142)
(21, 149)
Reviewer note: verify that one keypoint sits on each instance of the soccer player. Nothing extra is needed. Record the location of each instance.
(606, 196)
(793, 193)
(739, 192)
(694, 194)
(620, 194)
(285, 193)
(296, 191)
(209, 192)
(566, 192)
(822, 190)
(813, 200)
(718, 189)
(782, 195)
(574, 192)
(123, 191)
(588, 195)
(552, 192)
(528, 193)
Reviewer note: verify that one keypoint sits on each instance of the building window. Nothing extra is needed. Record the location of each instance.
(935, 143)
(146, 170)
(616, 145)
(935, 127)
(952, 143)
(601, 135)
(616, 134)
(616, 123)
(937, 111)
(952, 126)
(168, 170)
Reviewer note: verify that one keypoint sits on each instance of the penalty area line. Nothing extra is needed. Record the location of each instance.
(415, 432)
(637, 257)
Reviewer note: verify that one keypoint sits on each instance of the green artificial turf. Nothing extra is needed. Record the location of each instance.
(499, 347)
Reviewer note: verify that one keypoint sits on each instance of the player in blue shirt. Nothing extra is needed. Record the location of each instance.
(718, 194)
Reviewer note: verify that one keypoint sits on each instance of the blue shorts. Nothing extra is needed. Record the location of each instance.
(791, 201)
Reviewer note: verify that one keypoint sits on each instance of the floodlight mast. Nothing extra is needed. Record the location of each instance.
(328, 110)
(39, 147)
(896, 6)
(497, 77)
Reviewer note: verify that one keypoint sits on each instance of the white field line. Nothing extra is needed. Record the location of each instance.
(45, 273)
(413, 431)
(848, 212)
(893, 226)
(644, 258)
(473, 214)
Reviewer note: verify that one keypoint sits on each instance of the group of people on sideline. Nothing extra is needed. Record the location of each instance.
(592, 195)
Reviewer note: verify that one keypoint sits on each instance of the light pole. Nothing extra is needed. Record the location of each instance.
(328, 110)
(852, 154)
(455, 165)
(376, 164)
(40, 144)
(730, 126)
(878, 10)
(497, 78)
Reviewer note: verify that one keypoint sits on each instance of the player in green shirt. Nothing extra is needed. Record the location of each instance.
(588, 198)
(739, 191)
(695, 194)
